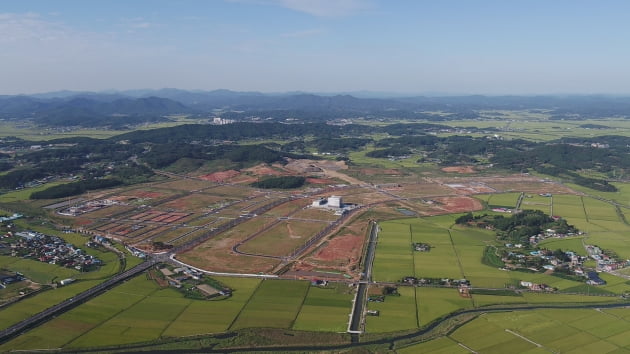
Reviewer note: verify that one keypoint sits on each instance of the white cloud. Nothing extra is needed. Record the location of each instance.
(318, 8)
(326, 8)
(15, 28)
(304, 33)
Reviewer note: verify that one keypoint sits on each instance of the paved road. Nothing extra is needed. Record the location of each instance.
(361, 296)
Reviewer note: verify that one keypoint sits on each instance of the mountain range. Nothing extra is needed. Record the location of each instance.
(120, 108)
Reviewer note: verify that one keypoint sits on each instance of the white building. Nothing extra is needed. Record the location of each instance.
(335, 202)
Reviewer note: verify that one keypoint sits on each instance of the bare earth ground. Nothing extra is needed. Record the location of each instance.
(458, 204)
(220, 176)
(459, 169)
(424, 195)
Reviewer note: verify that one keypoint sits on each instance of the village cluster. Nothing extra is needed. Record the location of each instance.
(192, 281)
(49, 249)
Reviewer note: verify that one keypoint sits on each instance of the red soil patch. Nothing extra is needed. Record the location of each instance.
(220, 176)
(82, 222)
(320, 181)
(266, 171)
(342, 248)
(459, 204)
(459, 169)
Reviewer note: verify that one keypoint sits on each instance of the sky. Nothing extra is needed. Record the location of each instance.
(493, 47)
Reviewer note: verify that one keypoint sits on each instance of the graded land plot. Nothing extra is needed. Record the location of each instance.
(599, 210)
(216, 253)
(470, 187)
(413, 207)
(396, 313)
(188, 237)
(173, 233)
(342, 248)
(146, 232)
(213, 316)
(241, 207)
(233, 192)
(503, 200)
(394, 257)
(433, 303)
(456, 204)
(284, 209)
(148, 195)
(204, 220)
(109, 211)
(186, 184)
(283, 238)
(322, 214)
(361, 196)
(275, 304)
(196, 201)
(418, 190)
(527, 184)
(325, 309)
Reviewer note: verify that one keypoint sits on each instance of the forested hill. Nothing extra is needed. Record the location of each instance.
(90, 111)
(239, 131)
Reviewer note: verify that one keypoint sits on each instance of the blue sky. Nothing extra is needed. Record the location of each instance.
(402, 46)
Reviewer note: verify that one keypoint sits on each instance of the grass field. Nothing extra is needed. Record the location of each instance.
(129, 313)
(275, 303)
(395, 313)
(433, 303)
(283, 238)
(394, 257)
(575, 331)
(325, 309)
(213, 316)
(574, 244)
(505, 200)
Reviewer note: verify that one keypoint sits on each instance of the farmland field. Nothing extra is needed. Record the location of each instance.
(506, 200)
(325, 309)
(552, 330)
(275, 303)
(128, 312)
(433, 303)
(396, 313)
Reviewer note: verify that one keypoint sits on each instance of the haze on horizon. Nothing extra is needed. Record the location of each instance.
(445, 46)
